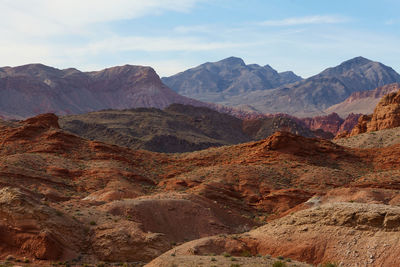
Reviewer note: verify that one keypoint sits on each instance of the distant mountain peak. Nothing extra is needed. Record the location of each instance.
(357, 61)
(128, 70)
(351, 64)
(269, 67)
(35, 67)
(290, 76)
(232, 61)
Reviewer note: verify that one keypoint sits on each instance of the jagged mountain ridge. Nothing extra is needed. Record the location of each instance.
(309, 97)
(216, 81)
(312, 96)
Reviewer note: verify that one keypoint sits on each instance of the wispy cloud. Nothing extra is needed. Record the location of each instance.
(48, 17)
(319, 19)
(391, 21)
(156, 44)
(194, 29)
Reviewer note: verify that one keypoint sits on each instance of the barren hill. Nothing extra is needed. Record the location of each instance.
(179, 128)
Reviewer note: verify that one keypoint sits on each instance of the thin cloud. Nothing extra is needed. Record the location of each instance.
(156, 44)
(304, 21)
(391, 22)
(194, 29)
(50, 17)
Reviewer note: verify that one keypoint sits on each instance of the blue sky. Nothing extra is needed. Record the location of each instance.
(305, 36)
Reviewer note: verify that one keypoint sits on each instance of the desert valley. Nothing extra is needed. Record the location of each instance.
(149, 177)
(198, 133)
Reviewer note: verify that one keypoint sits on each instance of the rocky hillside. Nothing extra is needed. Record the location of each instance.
(363, 102)
(310, 97)
(34, 89)
(217, 81)
(263, 127)
(64, 198)
(178, 128)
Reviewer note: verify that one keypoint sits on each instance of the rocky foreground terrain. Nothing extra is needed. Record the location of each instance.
(382, 138)
(68, 200)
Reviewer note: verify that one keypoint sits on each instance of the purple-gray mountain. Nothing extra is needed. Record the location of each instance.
(33, 89)
(218, 81)
(231, 82)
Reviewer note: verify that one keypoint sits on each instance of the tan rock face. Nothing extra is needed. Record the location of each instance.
(349, 234)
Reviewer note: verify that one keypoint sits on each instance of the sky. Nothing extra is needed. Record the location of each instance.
(305, 36)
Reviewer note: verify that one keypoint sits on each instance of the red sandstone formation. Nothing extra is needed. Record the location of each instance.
(386, 115)
(66, 198)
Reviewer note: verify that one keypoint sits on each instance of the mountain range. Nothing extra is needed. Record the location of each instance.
(299, 97)
(245, 91)
(34, 89)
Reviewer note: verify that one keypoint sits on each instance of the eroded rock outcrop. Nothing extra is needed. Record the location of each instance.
(386, 115)
(362, 125)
